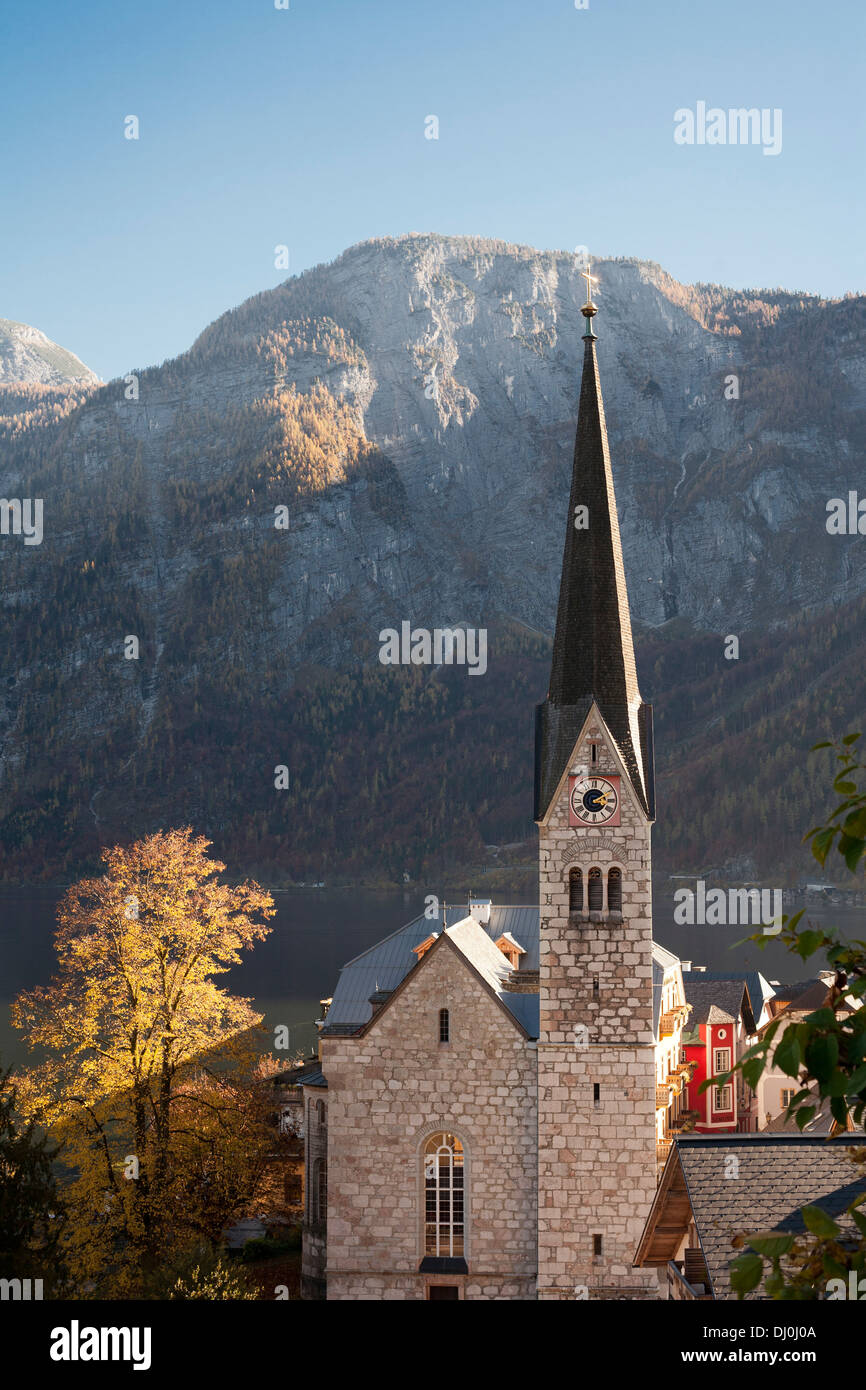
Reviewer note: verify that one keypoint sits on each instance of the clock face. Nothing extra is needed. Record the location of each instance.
(593, 800)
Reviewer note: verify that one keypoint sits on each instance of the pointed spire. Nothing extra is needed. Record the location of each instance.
(593, 651)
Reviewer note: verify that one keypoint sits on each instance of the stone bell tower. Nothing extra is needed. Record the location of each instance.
(594, 805)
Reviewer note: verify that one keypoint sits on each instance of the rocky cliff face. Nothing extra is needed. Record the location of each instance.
(26, 355)
(413, 406)
(464, 373)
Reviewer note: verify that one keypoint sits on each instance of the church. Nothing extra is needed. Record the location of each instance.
(486, 1122)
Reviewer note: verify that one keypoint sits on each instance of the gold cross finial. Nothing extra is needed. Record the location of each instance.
(590, 281)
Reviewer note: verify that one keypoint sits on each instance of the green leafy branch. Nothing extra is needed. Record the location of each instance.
(824, 1052)
(802, 1266)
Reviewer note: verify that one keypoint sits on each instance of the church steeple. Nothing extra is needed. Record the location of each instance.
(597, 1125)
(593, 652)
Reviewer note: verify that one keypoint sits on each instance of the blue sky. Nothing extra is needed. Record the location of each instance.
(305, 127)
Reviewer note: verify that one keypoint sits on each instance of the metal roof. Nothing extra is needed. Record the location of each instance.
(385, 965)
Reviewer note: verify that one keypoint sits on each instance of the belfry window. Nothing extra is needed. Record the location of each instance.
(596, 891)
(575, 891)
(443, 1196)
(444, 1026)
(614, 890)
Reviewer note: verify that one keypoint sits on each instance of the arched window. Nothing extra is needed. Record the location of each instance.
(322, 1191)
(443, 1196)
(596, 891)
(320, 1112)
(317, 1190)
(614, 890)
(575, 891)
(444, 1026)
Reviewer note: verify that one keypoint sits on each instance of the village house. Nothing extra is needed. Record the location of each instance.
(721, 1027)
(775, 1088)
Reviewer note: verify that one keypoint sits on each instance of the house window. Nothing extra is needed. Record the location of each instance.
(444, 1026)
(787, 1097)
(596, 890)
(721, 1060)
(614, 890)
(443, 1196)
(722, 1098)
(596, 1245)
(596, 1093)
(595, 984)
(593, 752)
(575, 891)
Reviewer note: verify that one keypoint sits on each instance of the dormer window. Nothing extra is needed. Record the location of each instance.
(511, 949)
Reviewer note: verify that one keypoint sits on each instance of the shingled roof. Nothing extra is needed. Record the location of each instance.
(759, 989)
(774, 1176)
(593, 651)
(717, 1001)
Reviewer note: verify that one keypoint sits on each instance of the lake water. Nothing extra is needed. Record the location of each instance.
(315, 931)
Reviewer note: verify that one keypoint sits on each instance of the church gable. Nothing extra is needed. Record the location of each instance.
(472, 972)
(594, 754)
(441, 1063)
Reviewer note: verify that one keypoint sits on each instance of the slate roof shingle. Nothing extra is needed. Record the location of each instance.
(593, 650)
(716, 1001)
(759, 988)
(777, 1174)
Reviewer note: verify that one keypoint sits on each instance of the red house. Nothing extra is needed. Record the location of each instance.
(719, 1030)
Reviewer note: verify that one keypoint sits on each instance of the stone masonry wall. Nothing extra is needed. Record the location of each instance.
(396, 1085)
(315, 1221)
(597, 1162)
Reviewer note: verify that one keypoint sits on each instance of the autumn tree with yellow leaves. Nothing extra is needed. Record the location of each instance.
(147, 1077)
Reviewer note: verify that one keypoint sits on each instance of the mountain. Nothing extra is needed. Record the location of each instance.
(413, 406)
(26, 355)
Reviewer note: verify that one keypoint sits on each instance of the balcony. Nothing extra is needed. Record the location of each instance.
(688, 1280)
(662, 1097)
(673, 1019)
